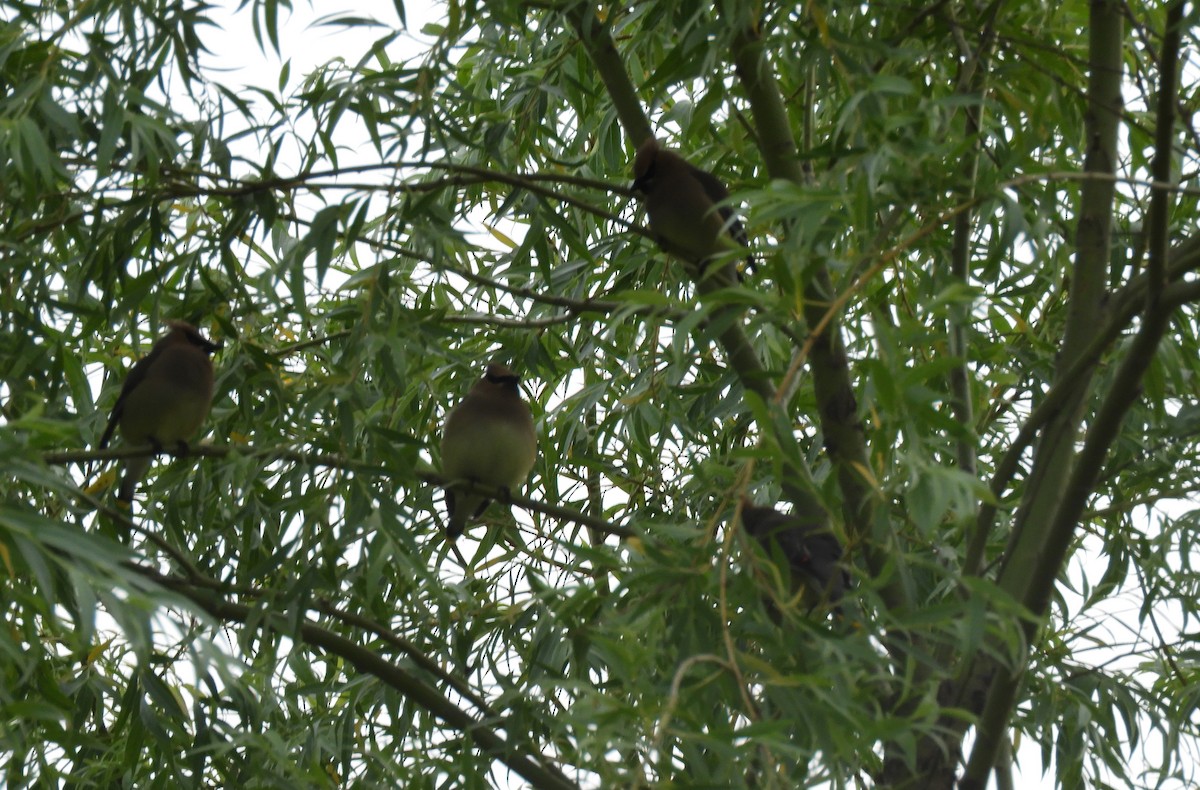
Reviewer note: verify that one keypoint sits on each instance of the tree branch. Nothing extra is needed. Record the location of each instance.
(535, 768)
(1164, 151)
(1062, 481)
(338, 462)
(597, 40)
(1125, 307)
(845, 441)
(972, 79)
(1053, 457)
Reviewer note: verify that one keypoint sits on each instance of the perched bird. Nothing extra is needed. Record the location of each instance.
(682, 204)
(164, 400)
(488, 438)
(813, 554)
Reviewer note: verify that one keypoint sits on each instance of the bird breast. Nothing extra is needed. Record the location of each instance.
(164, 411)
(500, 453)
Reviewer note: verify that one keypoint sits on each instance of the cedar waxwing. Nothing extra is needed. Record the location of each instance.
(813, 554)
(489, 438)
(681, 202)
(164, 400)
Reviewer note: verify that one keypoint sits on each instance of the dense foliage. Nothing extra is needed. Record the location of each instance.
(969, 350)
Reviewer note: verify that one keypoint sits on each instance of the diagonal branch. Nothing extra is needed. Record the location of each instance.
(739, 352)
(533, 767)
(597, 40)
(1125, 308)
(1126, 384)
(1053, 457)
(845, 440)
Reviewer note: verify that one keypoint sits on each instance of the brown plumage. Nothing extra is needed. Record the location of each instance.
(682, 205)
(164, 400)
(489, 438)
(813, 554)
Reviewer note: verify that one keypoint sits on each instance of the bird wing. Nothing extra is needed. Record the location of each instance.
(136, 376)
(717, 193)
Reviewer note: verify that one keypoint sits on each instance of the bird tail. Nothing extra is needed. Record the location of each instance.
(461, 508)
(135, 470)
